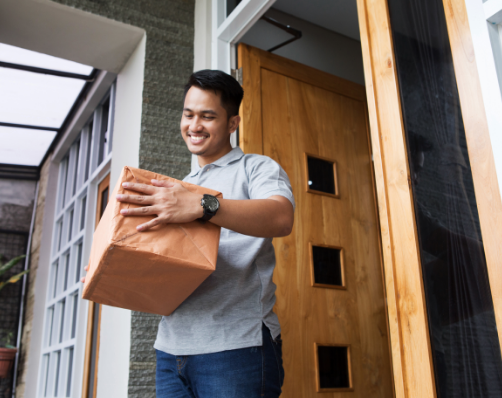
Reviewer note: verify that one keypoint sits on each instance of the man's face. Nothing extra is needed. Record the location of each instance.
(205, 126)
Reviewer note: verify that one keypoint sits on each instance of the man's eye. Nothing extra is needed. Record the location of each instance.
(209, 117)
(188, 116)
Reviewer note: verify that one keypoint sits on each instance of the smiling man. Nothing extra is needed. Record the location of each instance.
(224, 340)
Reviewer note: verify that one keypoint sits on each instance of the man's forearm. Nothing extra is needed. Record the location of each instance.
(266, 218)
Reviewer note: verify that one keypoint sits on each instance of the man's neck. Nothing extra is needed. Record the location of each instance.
(203, 160)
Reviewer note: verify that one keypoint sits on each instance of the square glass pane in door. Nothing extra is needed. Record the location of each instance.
(321, 176)
(327, 266)
(333, 367)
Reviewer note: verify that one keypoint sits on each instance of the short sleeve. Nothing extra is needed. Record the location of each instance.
(267, 178)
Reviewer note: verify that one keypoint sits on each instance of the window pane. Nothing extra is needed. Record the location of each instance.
(62, 308)
(88, 154)
(55, 272)
(231, 4)
(82, 213)
(24, 146)
(70, 225)
(45, 374)
(103, 136)
(327, 266)
(16, 55)
(70, 371)
(58, 365)
(74, 316)
(36, 99)
(66, 270)
(78, 267)
(333, 367)
(463, 333)
(60, 235)
(63, 180)
(321, 175)
(49, 325)
(75, 174)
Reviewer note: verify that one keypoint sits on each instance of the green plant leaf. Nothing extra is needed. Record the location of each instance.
(5, 267)
(13, 279)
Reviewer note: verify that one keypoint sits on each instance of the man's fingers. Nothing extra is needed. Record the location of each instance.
(86, 267)
(144, 188)
(137, 199)
(139, 211)
(82, 279)
(163, 183)
(148, 225)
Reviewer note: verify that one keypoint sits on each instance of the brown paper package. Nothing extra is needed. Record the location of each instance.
(152, 271)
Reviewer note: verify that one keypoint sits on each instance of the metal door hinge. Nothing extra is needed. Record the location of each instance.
(237, 75)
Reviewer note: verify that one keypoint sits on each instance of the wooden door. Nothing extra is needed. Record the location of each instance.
(330, 296)
(91, 359)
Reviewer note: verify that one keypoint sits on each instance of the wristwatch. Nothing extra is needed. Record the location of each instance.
(210, 205)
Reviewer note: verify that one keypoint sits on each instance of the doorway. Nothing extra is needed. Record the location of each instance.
(307, 110)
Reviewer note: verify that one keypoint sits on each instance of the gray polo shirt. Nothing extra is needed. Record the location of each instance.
(227, 310)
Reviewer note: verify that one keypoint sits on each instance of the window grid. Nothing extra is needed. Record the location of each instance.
(87, 160)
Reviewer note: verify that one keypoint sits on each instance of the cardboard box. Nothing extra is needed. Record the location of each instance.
(152, 271)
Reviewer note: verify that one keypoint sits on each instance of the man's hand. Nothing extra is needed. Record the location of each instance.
(86, 268)
(170, 202)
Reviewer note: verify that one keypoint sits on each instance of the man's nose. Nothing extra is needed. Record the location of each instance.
(195, 125)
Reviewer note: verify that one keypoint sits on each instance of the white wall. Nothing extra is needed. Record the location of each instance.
(115, 336)
(318, 47)
(488, 76)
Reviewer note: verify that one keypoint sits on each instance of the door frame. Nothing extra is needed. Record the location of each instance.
(407, 317)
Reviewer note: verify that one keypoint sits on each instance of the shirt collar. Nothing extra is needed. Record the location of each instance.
(232, 156)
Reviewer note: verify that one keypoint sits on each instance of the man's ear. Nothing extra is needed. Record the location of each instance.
(233, 123)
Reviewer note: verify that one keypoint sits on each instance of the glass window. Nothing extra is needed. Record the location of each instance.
(35, 99)
(16, 55)
(62, 336)
(462, 329)
(24, 146)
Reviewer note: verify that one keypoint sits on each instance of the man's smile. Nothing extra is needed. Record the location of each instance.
(197, 138)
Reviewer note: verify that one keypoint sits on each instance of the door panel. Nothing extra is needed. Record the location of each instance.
(304, 111)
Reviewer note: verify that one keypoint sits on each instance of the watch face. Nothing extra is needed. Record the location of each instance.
(212, 203)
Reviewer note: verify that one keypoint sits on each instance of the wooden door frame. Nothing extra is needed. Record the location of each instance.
(104, 184)
(410, 345)
(410, 348)
(407, 317)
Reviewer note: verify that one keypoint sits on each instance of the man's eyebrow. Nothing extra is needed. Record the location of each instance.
(204, 111)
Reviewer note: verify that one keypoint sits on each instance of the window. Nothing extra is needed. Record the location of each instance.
(81, 169)
(493, 15)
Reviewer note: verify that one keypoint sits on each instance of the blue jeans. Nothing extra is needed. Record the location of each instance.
(243, 373)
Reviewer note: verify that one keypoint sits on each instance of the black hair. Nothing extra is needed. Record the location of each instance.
(226, 86)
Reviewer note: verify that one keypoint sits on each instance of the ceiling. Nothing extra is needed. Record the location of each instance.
(337, 15)
(38, 92)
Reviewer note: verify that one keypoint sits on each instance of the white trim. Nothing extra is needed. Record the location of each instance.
(490, 84)
(227, 32)
(493, 11)
(115, 333)
(102, 84)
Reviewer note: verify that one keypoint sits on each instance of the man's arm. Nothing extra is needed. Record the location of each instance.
(172, 203)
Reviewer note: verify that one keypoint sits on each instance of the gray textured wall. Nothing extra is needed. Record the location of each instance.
(169, 26)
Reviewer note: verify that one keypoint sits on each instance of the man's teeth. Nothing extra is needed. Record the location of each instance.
(197, 138)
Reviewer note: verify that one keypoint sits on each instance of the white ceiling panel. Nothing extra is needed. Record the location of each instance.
(16, 55)
(24, 146)
(36, 99)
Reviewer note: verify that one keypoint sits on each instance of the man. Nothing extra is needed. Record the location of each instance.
(224, 340)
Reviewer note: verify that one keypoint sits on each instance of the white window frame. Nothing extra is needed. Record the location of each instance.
(60, 344)
(227, 31)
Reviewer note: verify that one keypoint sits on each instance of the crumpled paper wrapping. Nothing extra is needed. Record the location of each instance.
(152, 271)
